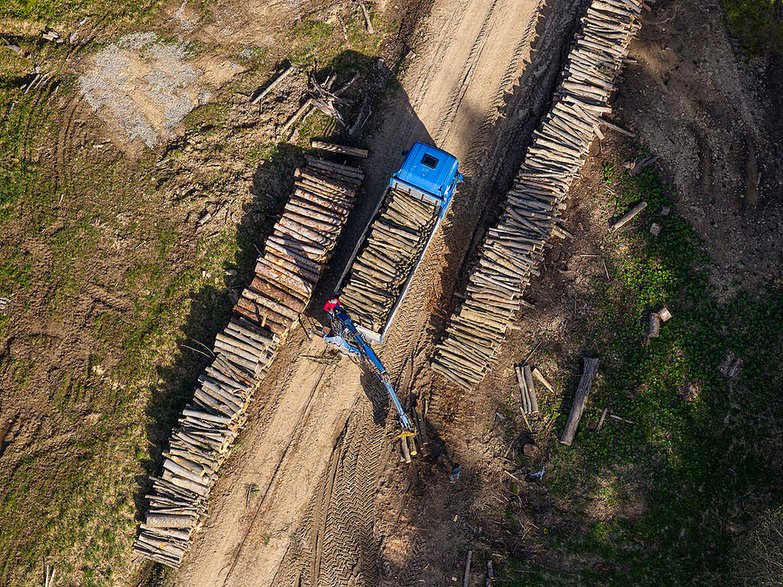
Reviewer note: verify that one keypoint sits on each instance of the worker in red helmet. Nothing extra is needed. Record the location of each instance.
(335, 339)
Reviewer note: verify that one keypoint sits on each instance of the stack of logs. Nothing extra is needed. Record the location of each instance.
(303, 238)
(396, 239)
(513, 248)
(286, 274)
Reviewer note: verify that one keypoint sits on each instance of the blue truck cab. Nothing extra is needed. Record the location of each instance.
(428, 173)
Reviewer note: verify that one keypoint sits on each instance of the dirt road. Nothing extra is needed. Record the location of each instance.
(302, 487)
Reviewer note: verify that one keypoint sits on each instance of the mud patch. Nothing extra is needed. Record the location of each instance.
(145, 86)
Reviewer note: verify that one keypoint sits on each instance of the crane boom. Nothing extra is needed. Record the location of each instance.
(347, 336)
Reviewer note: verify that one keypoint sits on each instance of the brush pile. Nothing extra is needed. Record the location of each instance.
(286, 274)
(513, 248)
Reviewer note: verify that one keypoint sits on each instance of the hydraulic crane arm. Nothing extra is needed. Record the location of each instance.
(346, 336)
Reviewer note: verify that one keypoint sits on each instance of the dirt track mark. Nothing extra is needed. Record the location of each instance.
(336, 544)
(467, 73)
(275, 475)
(288, 444)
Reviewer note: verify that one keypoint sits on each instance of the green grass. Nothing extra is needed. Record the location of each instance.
(697, 467)
(52, 11)
(103, 223)
(757, 24)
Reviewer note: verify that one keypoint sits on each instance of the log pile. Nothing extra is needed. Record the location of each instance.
(286, 274)
(393, 245)
(514, 246)
(302, 240)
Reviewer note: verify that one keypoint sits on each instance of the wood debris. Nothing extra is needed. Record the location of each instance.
(628, 216)
(538, 375)
(513, 248)
(286, 273)
(291, 69)
(655, 321)
(731, 365)
(527, 389)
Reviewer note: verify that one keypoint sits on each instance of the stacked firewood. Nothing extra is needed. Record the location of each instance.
(512, 249)
(286, 274)
(397, 237)
(302, 240)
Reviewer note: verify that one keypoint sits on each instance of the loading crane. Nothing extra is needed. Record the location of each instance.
(347, 338)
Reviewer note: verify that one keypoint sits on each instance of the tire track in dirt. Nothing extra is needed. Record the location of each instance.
(336, 544)
(290, 439)
(467, 73)
(303, 417)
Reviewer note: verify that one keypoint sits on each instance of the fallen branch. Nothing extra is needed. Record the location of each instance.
(273, 85)
(466, 578)
(367, 21)
(538, 375)
(619, 129)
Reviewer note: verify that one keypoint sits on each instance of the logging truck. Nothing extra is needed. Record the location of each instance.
(381, 267)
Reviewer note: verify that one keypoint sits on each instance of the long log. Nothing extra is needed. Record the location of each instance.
(628, 216)
(580, 398)
(273, 85)
(342, 149)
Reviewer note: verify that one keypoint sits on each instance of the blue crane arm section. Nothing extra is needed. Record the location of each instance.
(336, 311)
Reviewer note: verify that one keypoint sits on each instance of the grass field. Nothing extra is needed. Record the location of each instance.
(658, 500)
(114, 289)
(757, 24)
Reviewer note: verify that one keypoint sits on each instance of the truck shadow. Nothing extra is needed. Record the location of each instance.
(477, 204)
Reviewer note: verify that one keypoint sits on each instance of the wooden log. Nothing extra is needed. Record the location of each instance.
(174, 533)
(349, 174)
(538, 375)
(270, 289)
(279, 273)
(653, 325)
(617, 128)
(531, 389)
(580, 398)
(169, 521)
(367, 21)
(303, 110)
(522, 389)
(201, 415)
(405, 452)
(466, 576)
(342, 149)
(273, 85)
(628, 216)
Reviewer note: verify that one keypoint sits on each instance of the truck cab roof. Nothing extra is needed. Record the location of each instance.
(429, 169)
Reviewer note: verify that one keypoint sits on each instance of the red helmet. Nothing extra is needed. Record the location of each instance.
(331, 304)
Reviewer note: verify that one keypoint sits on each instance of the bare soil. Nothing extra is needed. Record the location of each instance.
(712, 118)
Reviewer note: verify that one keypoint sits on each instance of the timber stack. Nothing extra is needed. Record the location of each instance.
(512, 249)
(287, 271)
(396, 239)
